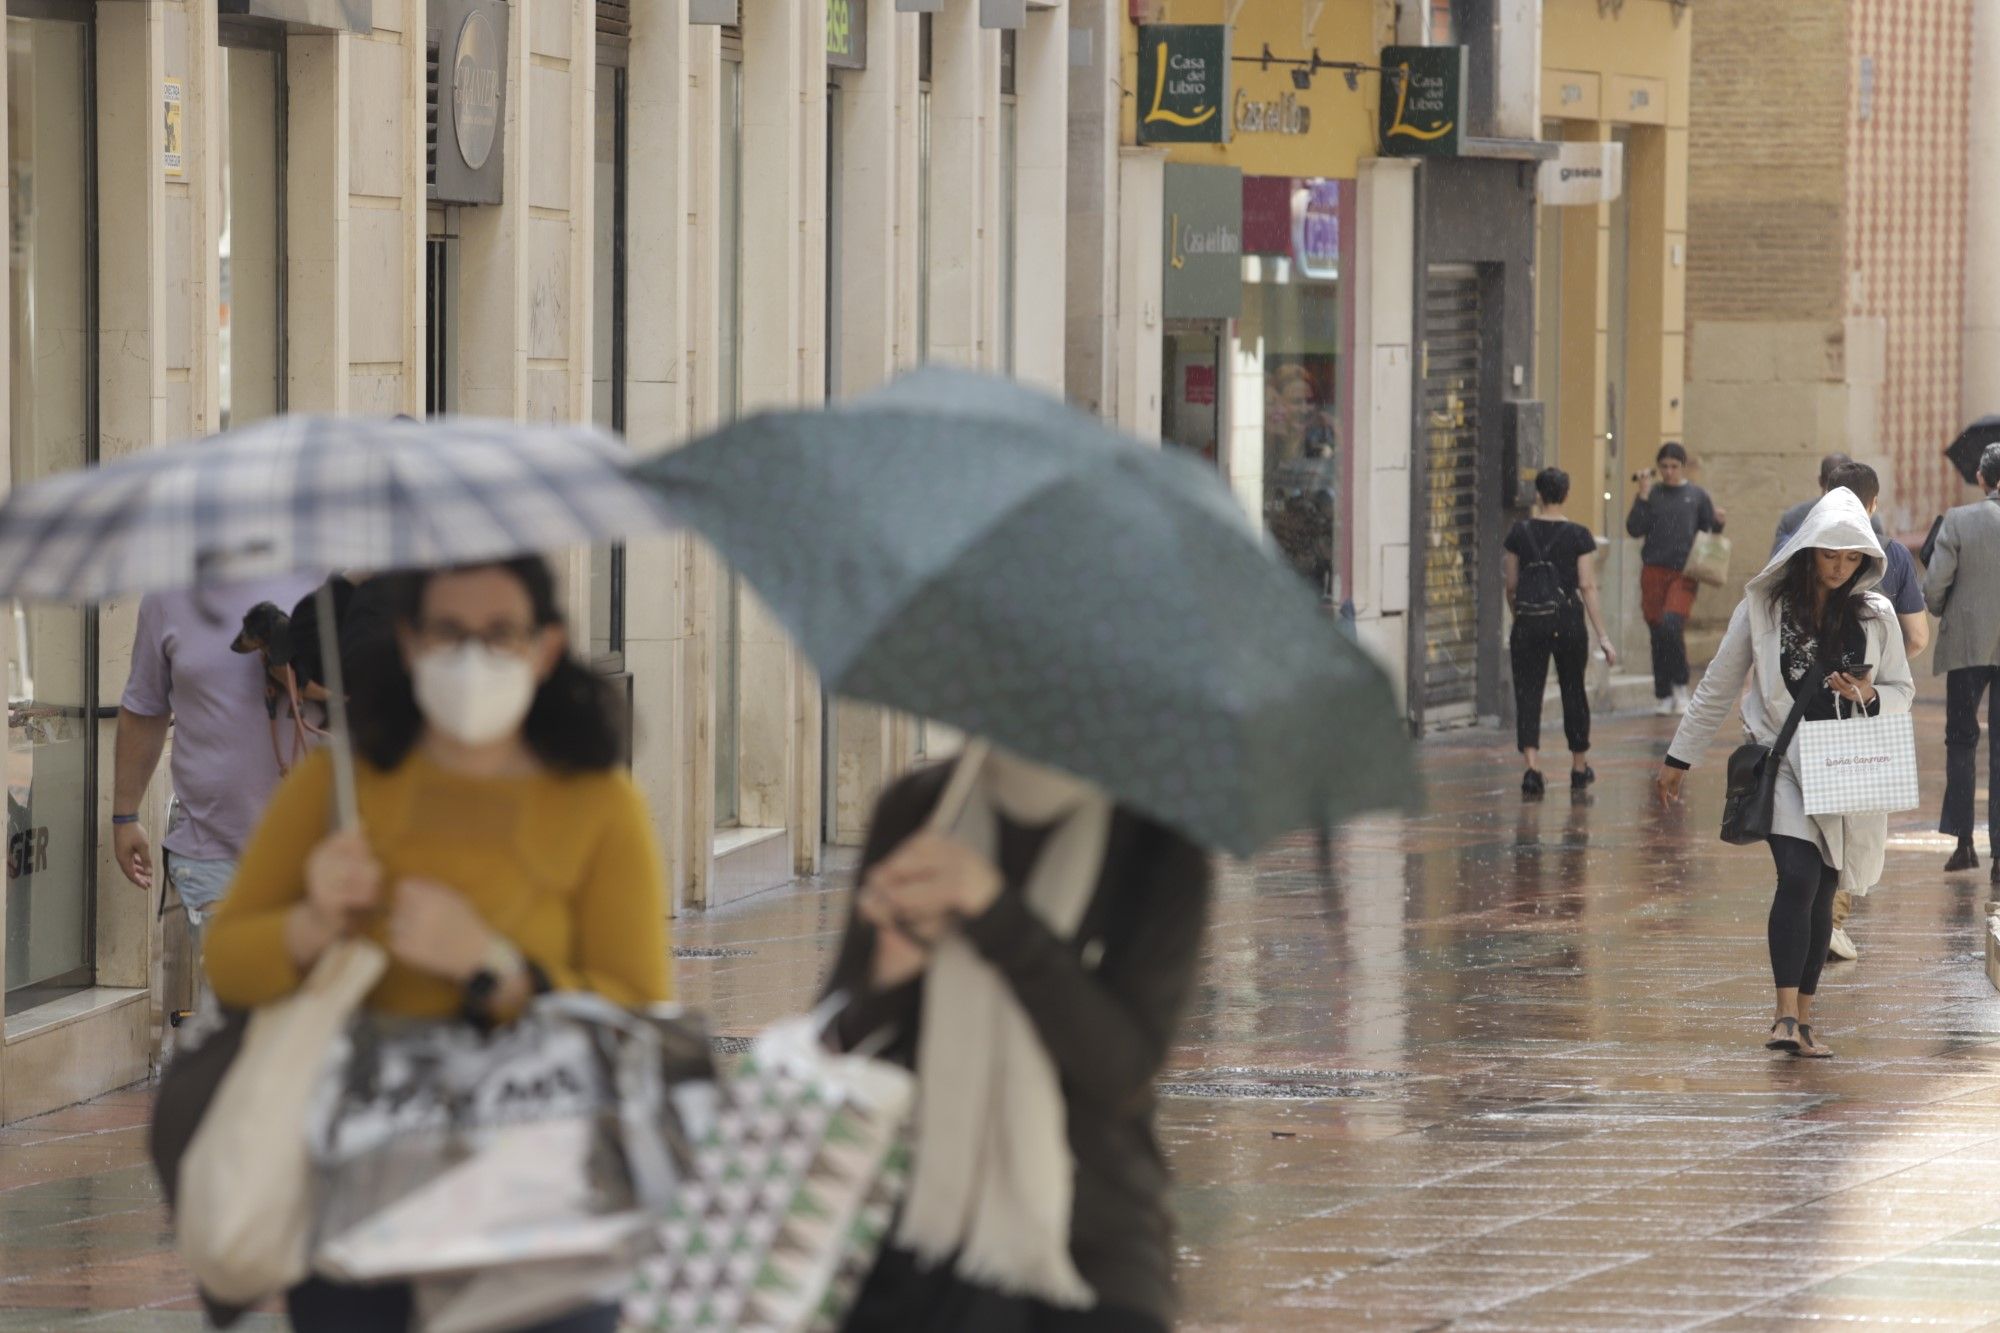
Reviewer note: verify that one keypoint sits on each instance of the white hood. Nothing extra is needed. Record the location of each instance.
(1836, 523)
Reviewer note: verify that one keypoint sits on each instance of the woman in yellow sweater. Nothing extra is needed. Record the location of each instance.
(503, 851)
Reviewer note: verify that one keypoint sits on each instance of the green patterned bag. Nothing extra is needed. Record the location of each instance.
(799, 1166)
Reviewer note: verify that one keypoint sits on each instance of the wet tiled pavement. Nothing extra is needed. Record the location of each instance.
(1502, 1073)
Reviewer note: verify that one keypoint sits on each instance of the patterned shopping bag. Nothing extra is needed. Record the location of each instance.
(798, 1169)
(1858, 765)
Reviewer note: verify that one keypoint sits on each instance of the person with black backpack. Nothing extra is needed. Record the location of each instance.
(1551, 567)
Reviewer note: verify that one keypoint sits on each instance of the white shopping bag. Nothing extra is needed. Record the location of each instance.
(1858, 765)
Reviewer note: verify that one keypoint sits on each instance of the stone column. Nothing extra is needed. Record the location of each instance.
(1090, 263)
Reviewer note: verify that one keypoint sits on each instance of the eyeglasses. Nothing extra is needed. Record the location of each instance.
(499, 638)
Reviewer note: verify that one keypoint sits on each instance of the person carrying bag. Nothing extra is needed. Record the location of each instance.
(1810, 639)
(505, 855)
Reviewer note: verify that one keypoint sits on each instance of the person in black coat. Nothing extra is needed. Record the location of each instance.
(1046, 933)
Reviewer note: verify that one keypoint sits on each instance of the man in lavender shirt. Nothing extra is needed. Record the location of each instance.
(186, 675)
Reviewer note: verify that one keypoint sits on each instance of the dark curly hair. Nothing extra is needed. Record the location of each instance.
(1845, 609)
(576, 724)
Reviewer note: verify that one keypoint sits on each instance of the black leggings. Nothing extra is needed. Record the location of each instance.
(1535, 640)
(1801, 924)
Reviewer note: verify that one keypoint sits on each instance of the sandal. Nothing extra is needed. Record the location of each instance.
(1809, 1049)
(1787, 1042)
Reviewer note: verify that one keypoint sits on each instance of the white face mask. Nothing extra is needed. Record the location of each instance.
(474, 694)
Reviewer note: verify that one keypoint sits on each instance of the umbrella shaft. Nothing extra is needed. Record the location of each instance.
(340, 741)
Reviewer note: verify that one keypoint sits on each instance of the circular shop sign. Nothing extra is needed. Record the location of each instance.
(475, 90)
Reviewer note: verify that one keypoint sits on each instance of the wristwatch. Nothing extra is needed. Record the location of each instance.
(501, 962)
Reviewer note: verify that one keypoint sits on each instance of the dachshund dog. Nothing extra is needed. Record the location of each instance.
(267, 630)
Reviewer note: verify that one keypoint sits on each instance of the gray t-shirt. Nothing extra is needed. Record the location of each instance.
(224, 765)
(1668, 518)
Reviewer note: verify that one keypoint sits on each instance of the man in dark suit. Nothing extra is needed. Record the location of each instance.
(1963, 590)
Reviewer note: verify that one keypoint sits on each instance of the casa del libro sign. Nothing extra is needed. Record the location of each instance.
(1184, 83)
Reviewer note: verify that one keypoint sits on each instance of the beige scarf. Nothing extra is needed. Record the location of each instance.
(993, 1174)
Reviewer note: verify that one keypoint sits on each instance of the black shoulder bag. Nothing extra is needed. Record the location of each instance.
(1752, 794)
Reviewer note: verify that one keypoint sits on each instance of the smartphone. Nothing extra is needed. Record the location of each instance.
(1858, 670)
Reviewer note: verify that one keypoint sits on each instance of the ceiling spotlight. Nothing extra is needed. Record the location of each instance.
(1302, 79)
(1353, 78)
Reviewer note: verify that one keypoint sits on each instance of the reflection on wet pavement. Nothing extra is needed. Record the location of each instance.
(1504, 1072)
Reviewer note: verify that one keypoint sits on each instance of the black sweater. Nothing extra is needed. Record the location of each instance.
(1107, 1026)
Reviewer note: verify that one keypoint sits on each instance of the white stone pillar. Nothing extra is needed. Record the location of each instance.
(1041, 197)
(659, 642)
(1141, 273)
(1980, 380)
(1384, 387)
(1091, 267)
(316, 205)
(964, 78)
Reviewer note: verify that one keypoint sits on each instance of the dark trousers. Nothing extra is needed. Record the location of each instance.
(1801, 923)
(1666, 599)
(1670, 655)
(1963, 689)
(1535, 641)
(319, 1306)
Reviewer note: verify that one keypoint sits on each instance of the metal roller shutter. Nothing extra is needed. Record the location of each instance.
(1451, 472)
(614, 30)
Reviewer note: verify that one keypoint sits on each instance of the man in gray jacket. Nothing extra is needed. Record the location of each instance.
(1963, 590)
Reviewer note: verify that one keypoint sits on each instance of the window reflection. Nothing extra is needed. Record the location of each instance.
(50, 774)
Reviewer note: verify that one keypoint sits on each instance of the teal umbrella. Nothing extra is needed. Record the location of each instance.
(968, 550)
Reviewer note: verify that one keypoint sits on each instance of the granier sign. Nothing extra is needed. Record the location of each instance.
(1184, 83)
(471, 100)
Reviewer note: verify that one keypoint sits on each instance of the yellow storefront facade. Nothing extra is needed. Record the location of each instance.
(1254, 367)
(1611, 311)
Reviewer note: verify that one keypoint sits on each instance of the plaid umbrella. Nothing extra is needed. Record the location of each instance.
(968, 550)
(307, 494)
(302, 494)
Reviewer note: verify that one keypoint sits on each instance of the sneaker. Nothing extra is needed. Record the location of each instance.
(1680, 700)
(1842, 947)
(1664, 707)
(1532, 783)
(1579, 778)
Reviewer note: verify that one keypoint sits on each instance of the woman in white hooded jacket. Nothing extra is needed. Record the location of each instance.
(1810, 613)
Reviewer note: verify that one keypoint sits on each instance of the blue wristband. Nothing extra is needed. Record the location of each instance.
(121, 820)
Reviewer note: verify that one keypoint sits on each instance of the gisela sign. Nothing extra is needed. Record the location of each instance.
(1183, 83)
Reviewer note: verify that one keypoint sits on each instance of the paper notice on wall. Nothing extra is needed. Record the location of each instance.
(1582, 173)
(173, 158)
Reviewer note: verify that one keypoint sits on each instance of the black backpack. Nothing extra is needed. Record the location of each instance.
(1538, 591)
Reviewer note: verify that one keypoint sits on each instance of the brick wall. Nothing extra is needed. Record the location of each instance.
(1767, 160)
(1906, 233)
(1769, 364)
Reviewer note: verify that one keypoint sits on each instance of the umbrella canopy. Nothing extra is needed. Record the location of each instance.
(308, 494)
(965, 549)
(303, 494)
(1964, 451)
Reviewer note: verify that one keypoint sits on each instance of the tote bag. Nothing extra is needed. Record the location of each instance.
(1858, 765)
(243, 1214)
(799, 1167)
(1708, 562)
(441, 1149)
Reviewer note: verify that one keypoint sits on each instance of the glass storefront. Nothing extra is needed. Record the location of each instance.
(250, 327)
(607, 352)
(52, 651)
(1292, 336)
(728, 586)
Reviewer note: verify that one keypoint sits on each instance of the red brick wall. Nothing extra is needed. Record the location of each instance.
(1906, 229)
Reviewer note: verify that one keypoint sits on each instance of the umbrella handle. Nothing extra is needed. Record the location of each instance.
(958, 789)
(341, 741)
